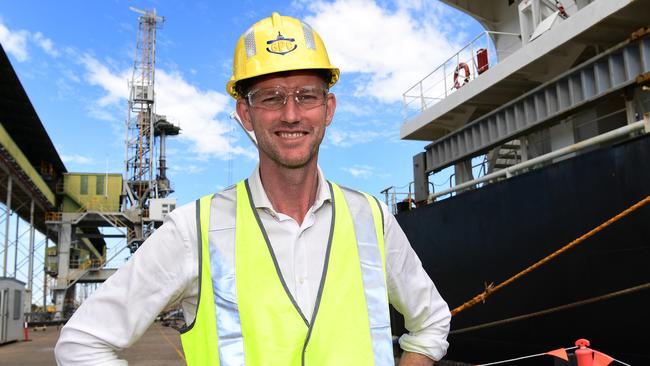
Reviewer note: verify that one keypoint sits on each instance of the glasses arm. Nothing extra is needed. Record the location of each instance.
(250, 134)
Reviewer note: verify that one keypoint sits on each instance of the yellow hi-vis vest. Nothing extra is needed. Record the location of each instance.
(247, 316)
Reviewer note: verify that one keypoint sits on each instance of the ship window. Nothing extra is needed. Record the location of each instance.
(101, 182)
(17, 303)
(83, 186)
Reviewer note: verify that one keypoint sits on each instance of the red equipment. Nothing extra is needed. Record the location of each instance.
(25, 332)
(482, 60)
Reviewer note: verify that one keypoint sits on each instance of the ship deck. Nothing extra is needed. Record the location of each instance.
(159, 346)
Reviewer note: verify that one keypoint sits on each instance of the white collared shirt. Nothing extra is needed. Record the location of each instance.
(164, 271)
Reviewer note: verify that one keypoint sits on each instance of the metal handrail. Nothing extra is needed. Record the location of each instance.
(432, 93)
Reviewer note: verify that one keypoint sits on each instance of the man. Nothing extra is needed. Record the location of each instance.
(285, 268)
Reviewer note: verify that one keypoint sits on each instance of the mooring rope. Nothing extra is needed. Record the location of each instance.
(610, 295)
(490, 289)
(521, 358)
(540, 354)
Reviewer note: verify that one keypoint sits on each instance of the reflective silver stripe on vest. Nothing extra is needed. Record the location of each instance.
(372, 270)
(221, 236)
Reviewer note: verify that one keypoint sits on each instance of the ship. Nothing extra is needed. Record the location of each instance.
(542, 125)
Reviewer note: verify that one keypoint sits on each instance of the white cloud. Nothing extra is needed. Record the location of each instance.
(345, 138)
(102, 114)
(71, 75)
(14, 42)
(356, 109)
(360, 171)
(201, 114)
(186, 169)
(76, 159)
(393, 49)
(46, 44)
(115, 85)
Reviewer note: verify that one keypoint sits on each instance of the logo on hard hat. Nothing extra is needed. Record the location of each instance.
(281, 45)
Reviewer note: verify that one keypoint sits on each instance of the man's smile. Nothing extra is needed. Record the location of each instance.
(290, 135)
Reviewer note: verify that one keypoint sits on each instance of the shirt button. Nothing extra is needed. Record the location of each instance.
(301, 280)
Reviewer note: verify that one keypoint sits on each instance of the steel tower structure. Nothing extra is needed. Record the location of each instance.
(141, 112)
(143, 126)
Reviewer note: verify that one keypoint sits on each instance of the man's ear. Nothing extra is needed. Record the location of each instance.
(243, 110)
(331, 108)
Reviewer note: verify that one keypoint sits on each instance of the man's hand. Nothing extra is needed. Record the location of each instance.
(414, 359)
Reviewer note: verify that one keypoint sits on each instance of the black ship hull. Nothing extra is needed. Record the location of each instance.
(489, 234)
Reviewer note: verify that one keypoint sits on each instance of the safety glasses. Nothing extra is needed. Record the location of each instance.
(306, 97)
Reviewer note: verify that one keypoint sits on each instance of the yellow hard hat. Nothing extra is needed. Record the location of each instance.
(277, 44)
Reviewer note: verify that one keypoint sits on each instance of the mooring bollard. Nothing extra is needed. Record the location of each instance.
(584, 354)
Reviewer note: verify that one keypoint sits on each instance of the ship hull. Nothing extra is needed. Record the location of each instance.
(489, 234)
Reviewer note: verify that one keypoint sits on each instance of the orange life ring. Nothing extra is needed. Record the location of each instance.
(461, 66)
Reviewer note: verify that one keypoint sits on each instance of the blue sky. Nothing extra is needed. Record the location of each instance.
(74, 58)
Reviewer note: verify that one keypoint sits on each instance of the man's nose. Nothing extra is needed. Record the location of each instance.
(291, 110)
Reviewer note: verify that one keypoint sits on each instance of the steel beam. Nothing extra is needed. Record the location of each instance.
(63, 257)
(643, 126)
(30, 273)
(8, 214)
(16, 246)
(420, 177)
(45, 274)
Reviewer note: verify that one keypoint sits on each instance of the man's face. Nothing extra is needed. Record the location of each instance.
(290, 136)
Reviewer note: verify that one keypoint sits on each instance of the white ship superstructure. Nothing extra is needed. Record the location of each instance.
(544, 76)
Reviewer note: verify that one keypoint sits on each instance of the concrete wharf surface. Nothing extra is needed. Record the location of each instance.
(160, 346)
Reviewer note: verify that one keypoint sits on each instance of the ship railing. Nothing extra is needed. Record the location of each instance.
(398, 201)
(472, 60)
(642, 126)
(478, 170)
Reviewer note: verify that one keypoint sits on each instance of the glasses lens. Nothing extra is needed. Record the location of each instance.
(310, 97)
(269, 98)
(275, 98)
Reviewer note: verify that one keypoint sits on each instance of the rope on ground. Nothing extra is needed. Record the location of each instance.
(180, 354)
(492, 289)
(521, 358)
(610, 295)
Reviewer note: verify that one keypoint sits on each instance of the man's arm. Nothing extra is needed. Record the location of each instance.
(414, 359)
(413, 294)
(160, 272)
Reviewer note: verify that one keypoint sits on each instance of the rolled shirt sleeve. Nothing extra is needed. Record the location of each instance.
(413, 294)
(160, 273)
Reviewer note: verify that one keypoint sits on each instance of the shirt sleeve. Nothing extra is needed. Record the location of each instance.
(413, 294)
(159, 274)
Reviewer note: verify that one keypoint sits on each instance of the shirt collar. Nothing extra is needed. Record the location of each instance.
(261, 200)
